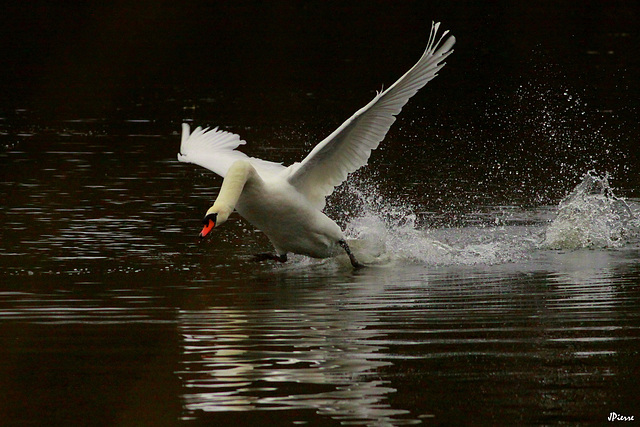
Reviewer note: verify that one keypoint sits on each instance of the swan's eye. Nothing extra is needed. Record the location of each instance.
(212, 216)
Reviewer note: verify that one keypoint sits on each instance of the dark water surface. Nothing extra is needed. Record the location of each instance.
(112, 312)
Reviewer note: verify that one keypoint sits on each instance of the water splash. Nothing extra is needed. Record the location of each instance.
(384, 231)
(592, 216)
(387, 231)
(530, 141)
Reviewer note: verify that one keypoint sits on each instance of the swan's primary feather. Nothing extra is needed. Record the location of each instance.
(349, 147)
(215, 150)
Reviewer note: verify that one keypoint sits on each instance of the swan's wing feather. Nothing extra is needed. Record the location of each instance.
(348, 148)
(215, 150)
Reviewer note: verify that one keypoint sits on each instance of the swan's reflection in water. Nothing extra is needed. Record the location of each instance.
(284, 359)
(542, 338)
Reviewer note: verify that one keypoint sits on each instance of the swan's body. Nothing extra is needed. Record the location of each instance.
(286, 202)
(282, 213)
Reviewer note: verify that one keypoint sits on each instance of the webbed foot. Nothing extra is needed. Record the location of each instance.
(354, 262)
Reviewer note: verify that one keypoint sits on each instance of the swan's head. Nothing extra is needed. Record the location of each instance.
(209, 223)
(215, 217)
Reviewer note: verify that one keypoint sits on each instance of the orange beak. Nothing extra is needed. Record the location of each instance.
(207, 228)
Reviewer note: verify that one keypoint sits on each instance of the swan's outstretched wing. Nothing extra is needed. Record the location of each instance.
(349, 147)
(216, 150)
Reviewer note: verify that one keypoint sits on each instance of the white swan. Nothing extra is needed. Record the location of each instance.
(286, 202)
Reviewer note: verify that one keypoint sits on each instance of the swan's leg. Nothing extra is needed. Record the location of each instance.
(269, 256)
(354, 261)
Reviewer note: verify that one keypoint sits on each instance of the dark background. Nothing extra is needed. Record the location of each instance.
(82, 58)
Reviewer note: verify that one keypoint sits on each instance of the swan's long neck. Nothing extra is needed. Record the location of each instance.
(231, 189)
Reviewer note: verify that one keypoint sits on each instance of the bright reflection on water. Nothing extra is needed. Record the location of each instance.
(283, 358)
(534, 338)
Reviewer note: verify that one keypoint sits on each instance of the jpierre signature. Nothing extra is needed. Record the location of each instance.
(618, 417)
